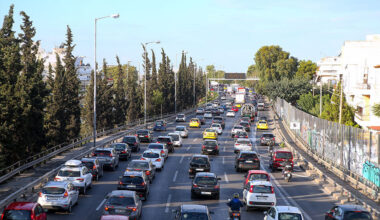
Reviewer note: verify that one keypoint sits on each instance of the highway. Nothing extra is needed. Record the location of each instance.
(171, 186)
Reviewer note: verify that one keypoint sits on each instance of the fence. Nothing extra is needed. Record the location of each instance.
(352, 150)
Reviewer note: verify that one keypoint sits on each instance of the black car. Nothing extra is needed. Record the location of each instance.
(219, 120)
(205, 184)
(135, 181)
(159, 125)
(247, 160)
(143, 165)
(133, 142)
(94, 166)
(266, 138)
(241, 134)
(144, 135)
(123, 202)
(122, 149)
(199, 163)
(166, 140)
(201, 118)
(210, 147)
(215, 112)
(246, 126)
(348, 211)
(192, 212)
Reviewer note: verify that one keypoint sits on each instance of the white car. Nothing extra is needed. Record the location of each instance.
(182, 130)
(76, 173)
(207, 115)
(217, 127)
(200, 111)
(283, 212)
(235, 129)
(230, 113)
(154, 156)
(259, 194)
(58, 195)
(242, 144)
(177, 139)
(180, 117)
(162, 147)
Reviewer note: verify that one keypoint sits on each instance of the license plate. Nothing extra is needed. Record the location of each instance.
(199, 169)
(52, 198)
(119, 210)
(249, 161)
(131, 186)
(261, 197)
(206, 193)
(209, 150)
(142, 136)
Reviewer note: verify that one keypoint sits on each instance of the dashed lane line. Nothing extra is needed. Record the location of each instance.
(175, 176)
(181, 160)
(168, 203)
(100, 205)
(226, 178)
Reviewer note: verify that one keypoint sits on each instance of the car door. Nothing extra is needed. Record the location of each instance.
(87, 175)
(39, 213)
(245, 191)
(330, 214)
(73, 193)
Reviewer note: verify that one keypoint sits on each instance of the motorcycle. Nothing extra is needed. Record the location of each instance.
(270, 148)
(287, 171)
(234, 214)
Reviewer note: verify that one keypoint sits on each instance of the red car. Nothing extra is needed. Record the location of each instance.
(280, 157)
(24, 210)
(256, 175)
(234, 108)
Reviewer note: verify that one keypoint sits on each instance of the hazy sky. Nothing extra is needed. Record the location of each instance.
(226, 33)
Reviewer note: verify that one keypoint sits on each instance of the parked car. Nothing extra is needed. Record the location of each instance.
(177, 139)
(199, 163)
(283, 212)
(108, 157)
(143, 165)
(242, 144)
(162, 147)
(133, 142)
(259, 194)
(24, 210)
(230, 113)
(182, 130)
(75, 172)
(166, 140)
(191, 211)
(201, 119)
(58, 195)
(122, 149)
(235, 129)
(266, 138)
(123, 202)
(159, 125)
(154, 156)
(94, 166)
(348, 211)
(219, 120)
(205, 184)
(210, 147)
(217, 127)
(247, 160)
(144, 135)
(256, 175)
(180, 117)
(279, 158)
(135, 181)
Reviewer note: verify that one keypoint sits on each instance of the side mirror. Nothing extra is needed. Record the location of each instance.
(265, 212)
(219, 178)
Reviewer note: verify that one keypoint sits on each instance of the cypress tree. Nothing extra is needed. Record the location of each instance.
(88, 113)
(120, 98)
(104, 105)
(154, 85)
(134, 99)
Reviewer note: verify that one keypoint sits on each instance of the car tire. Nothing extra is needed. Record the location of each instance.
(84, 190)
(237, 170)
(217, 196)
(69, 209)
(247, 208)
(193, 196)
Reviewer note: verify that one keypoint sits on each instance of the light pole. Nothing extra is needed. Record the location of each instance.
(95, 73)
(146, 44)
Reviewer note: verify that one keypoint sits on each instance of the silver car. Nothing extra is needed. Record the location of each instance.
(242, 144)
(58, 195)
(177, 139)
(235, 129)
(182, 130)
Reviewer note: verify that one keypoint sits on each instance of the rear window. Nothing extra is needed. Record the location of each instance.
(132, 180)
(175, 137)
(180, 128)
(195, 120)
(209, 130)
(181, 116)
(284, 155)
(210, 143)
(155, 146)
(215, 126)
(142, 132)
(138, 165)
(121, 201)
(129, 140)
(243, 142)
(238, 127)
(159, 123)
(268, 135)
(102, 153)
(244, 123)
(53, 190)
(262, 189)
(248, 156)
(163, 140)
(204, 180)
(289, 216)
(69, 173)
(258, 177)
(17, 215)
(199, 160)
(352, 215)
(88, 164)
(151, 155)
(118, 147)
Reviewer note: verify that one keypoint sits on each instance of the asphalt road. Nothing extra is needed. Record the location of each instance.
(171, 186)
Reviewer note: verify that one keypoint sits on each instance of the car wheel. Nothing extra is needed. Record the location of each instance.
(193, 196)
(90, 186)
(237, 170)
(247, 208)
(69, 209)
(217, 196)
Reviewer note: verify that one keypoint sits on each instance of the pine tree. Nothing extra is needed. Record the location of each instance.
(134, 99)
(88, 112)
(154, 85)
(50, 78)
(104, 104)
(120, 103)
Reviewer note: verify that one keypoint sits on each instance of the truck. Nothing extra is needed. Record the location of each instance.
(239, 99)
(229, 89)
(248, 110)
(241, 90)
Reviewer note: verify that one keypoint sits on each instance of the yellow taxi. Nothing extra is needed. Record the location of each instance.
(210, 133)
(238, 105)
(195, 123)
(262, 125)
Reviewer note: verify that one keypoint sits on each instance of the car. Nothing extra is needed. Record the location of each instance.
(210, 147)
(123, 202)
(163, 147)
(195, 123)
(283, 212)
(159, 125)
(201, 118)
(263, 118)
(205, 184)
(230, 113)
(133, 142)
(219, 120)
(221, 110)
(107, 156)
(223, 98)
(245, 119)
(166, 140)
(24, 210)
(75, 172)
(217, 127)
(180, 117)
(135, 181)
(240, 134)
(144, 135)
(182, 130)
(122, 149)
(154, 156)
(177, 139)
(199, 163)
(208, 106)
(347, 211)
(235, 129)
(200, 111)
(266, 138)
(246, 125)
(262, 125)
(238, 105)
(260, 106)
(256, 175)
(208, 115)
(235, 109)
(215, 112)
(143, 165)
(242, 144)
(94, 166)
(58, 195)
(210, 133)
(191, 211)
(114, 217)
(259, 194)
(247, 160)
(279, 158)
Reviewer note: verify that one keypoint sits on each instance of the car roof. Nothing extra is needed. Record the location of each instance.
(290, 209)
(208, 174)
(21, 205)
(173, 133)
(118, 144)
(140, 161)
(133, 173)
(208, 140)
(194, 208)
(180, 126)
(152, 151)
(282, 151)
(351, 207)
(72, 168)
(162, 145)
(73, 163)
(264, 183)
(56, 184)
(164, 137)
(258, 172)
(122, 193)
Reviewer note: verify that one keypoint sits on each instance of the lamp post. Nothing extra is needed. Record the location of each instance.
(95, 73)
(146, 44)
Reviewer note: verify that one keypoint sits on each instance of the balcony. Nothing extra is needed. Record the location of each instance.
(362, 117)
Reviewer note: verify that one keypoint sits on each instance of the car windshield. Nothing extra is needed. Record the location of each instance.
(354, 215)
(248, 156)
(53, 190)
(121, 201)
(268, 135)
(88, 164)
(284, 155)
(243, 142)
(102, 153)
(159, 123)
(209, 130)
(238, 127)
(138, 165)
(132, 180)
(69, 173)
(151, 155)
(289, 216)
(180, 128)
(205, 180)
(244, 123)
(258, 176)
(242, 134)
(175, 137)
(194, 120)
(262, 189)
(163, 140)
(118, 147)
(142, 132)
(210, 143)
(215, 126)
(180, 116)
(262, 122)
(230, 111)
(130, 140)
(155, 146)
(199, 160)
(17, 215)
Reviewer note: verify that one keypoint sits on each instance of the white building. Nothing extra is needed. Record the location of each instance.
(328, 69)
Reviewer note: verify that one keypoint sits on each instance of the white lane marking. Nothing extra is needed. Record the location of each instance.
(223, 159)
(181, 160)
(175, 176)
(224, 148)
(101, 204)
(168, 203)
(225, 177)
(188, 148)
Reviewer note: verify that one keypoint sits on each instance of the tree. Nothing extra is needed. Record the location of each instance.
(87, 113)
(154, 85)
(306, 69)
(376, 109)
(120, 103)
(166, 83)
(158, 99)
(290, 90)
(134, 99)
(104, 104)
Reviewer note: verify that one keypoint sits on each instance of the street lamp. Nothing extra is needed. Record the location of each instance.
(146, 44)
(95, 72)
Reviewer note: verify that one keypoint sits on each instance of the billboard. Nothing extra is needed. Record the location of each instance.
(235, 76)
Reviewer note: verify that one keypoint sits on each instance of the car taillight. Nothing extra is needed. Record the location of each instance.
(169, 143)
(237, 214)
(143, 184)
(195, 185)
(106, 208)
(142, 158)
(111, 155)
(93, 154)
(136, 135)
(236, 136)
(40, 194)
(158, 160)
(216, 187)
(246, 136)
(123, 152)
(162, 151)
(120, 183)
(135, 143)
(216, 147)
(57, 179)
(249, 144)
(94, 167)
(203, 147)
(146, 136)
(251, 189)
(80, 179)
(237, 144)
(157, 142)
(132, 208)
(65, 195)
(147, 172)
(272, 189)
(262, 138)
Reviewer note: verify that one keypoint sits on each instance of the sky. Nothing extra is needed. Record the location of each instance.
(225, 33)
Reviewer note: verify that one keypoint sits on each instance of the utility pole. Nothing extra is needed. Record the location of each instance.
(341, 99)
(320, 98)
